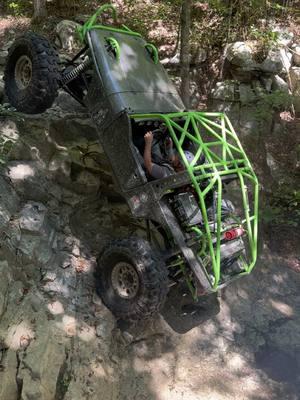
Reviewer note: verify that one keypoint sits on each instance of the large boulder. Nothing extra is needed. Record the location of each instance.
(4, 52)
(241, 63)
(273, 63)
(295, 79)
(67, 37)
(280, 84)
(241, 55)
(198, 56)
(296, 55)
(286, 59)
(284, 36)
(249, 60)
(225, 91)
(247, 94)
(67, 103)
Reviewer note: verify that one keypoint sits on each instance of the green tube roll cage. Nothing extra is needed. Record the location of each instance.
(214, 138)
(91, 23)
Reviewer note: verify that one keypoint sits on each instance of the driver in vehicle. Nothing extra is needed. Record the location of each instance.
(167, 167)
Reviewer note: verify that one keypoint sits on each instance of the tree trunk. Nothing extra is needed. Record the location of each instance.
(40, 10)
(62, 3)
(185, 51)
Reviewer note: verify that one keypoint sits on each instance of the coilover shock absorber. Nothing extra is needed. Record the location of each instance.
(75, 72)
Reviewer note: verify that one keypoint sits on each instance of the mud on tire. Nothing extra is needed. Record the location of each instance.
(147, 275)
(31, 74)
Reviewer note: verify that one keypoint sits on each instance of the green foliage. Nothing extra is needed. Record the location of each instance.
(14, 8)
(270, 102)
(266, 37)
(239, 16)
(284, 207)
(17, 8)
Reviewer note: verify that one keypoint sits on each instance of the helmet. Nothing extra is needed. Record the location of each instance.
(189, 156)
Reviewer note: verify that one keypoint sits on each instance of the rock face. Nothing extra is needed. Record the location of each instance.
(1, 91)
(248, 61)
(67, 35)
(295, 79)
(296, 55)
(264, 84)
(48, 305)
(240, 54)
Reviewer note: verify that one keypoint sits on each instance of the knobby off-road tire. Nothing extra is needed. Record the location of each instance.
(31, 74)
(131, 279)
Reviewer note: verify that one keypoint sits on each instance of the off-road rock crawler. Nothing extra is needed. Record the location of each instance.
(201, 223)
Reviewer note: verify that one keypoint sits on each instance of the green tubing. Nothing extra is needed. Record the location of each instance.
(127, 29)
(115, 46)
(116, 30)
(203, 239)
(153, 52)
(100, 11)
(91, 23)
(215, 139)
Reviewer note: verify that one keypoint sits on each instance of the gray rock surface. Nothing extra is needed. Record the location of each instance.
(273, 63)
(9, 388)
(225, 91)
(285, 36)
(198, 56)
(3, 55)
(280, 84)
(1, 89)
(296, 55)
(248, 60)
(240, 54)
(4, 52)
(295, 79)
(67, 35)
(4, 285)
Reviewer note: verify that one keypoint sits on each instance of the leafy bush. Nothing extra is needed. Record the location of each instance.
(270, 102)
(17, 8)
(14, 8)
(284, 207)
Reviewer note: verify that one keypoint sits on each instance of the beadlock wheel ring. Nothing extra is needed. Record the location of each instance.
(125, 280)
(23, 72)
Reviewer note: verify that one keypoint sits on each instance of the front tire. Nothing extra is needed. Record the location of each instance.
(31, 74)
(131, 280)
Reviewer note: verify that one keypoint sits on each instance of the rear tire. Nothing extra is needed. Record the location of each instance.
(31, 74)
(131, 280)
